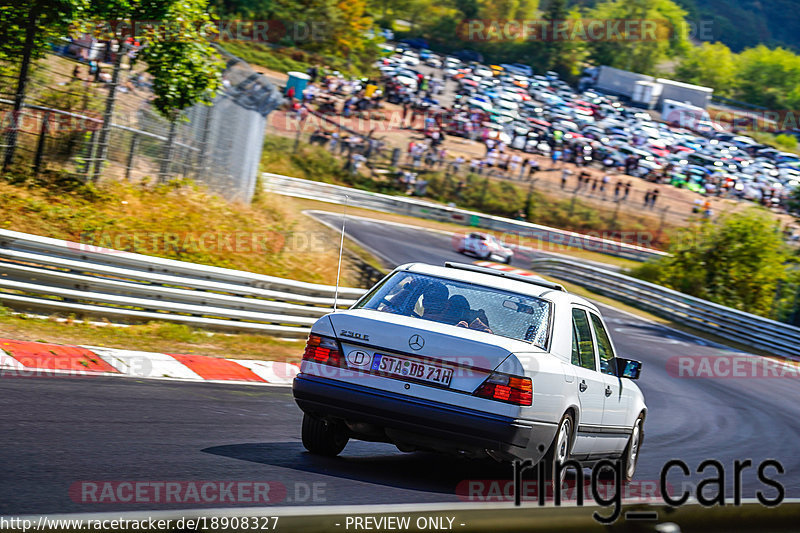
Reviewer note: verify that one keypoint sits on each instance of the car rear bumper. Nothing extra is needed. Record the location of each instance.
(465, 428)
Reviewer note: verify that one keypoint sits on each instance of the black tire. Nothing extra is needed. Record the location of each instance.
(559, 449)
(508, 260)
(630, 457)
(322, 437)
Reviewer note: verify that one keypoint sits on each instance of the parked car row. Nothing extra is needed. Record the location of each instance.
(538, 113)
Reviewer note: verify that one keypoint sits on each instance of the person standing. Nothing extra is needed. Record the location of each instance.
(627, 191)
(617, 188)
(554, 158)
(533, 169)
(564, 176)
(647, 198)
(653, 198)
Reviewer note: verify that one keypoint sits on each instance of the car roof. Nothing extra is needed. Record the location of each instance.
(498, 281)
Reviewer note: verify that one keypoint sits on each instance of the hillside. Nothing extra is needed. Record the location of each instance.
(743, 23)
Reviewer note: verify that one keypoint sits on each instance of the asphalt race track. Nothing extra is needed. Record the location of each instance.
(59, 432)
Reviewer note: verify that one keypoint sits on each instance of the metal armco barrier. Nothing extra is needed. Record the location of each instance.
(727, 323)
(314, 190)
(44, 275)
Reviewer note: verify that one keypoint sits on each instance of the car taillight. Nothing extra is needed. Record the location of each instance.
(322, 350)
(509, 389)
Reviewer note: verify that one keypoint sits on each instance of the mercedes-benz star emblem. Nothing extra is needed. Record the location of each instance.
(416, 342)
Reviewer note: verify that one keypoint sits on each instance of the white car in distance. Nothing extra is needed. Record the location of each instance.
(485, 246)
(474, 362)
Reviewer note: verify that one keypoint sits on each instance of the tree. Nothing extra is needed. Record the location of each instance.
(737, 261)
(769, 77)
(349, 26)
(631, 50)
(710, 64)
(124, 13)
(555, 53)
(502, 10)
(185, 67)
(27, 28)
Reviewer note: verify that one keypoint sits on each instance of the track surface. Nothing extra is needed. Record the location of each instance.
(58, 431)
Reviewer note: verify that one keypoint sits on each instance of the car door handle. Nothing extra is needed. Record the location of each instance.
(582, 386)
(608, 390)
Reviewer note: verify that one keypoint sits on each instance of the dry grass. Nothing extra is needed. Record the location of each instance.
(179, 221)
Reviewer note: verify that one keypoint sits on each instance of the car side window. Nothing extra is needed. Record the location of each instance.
(604, 348)
(582, 343)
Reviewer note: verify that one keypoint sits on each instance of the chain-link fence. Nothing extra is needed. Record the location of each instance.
(218, 145)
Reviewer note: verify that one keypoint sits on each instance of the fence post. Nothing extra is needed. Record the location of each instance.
(37, 162)
(90, 155)
(300, 124)
(108, 114)
(169, 144)
(202, 156)
(131, 155)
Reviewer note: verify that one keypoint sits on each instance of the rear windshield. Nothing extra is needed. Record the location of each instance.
(461, 304)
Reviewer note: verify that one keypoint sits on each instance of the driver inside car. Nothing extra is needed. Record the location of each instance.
(429, 300)
(457, 312)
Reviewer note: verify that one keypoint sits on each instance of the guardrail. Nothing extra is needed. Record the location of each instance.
(325, 192)
(45, 275)
(727, 323)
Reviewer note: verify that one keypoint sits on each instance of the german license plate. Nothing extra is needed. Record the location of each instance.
(408, 368)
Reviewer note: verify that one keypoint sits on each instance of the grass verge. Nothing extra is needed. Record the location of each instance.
(177, 221)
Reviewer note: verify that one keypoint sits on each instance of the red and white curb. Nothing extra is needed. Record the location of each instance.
(22, 359)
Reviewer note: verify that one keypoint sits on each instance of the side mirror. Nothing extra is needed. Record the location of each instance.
(628, 368)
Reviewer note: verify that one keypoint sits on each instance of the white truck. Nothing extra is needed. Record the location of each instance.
(683, 114)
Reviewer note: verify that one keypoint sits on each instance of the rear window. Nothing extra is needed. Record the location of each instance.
(462, 304)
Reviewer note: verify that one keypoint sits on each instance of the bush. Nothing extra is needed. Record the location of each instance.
(739, 262)
(788, 142)
(173, 332)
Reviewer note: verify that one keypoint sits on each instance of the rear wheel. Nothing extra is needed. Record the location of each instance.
(631, 454)
(559, 452)
(323, 437)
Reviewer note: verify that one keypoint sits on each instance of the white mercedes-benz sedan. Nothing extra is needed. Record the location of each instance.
(471, 361)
